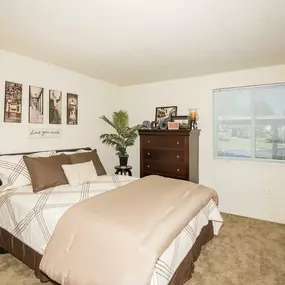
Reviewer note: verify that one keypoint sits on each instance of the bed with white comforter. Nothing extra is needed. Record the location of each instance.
(32, 218)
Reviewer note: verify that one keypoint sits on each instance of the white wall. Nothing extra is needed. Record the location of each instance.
(243, 187)
(95, 98)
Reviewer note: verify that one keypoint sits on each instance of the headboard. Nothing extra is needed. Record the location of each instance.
(56, 150)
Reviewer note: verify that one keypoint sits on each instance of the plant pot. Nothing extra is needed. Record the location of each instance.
(123, 160)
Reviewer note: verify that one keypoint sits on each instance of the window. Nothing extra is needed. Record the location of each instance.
(250, 122)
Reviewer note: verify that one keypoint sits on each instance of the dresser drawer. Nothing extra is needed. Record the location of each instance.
(158, 167)
(165, 142)
(165, 155)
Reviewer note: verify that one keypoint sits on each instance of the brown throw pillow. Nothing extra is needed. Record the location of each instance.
(88, 156)
(46, 172)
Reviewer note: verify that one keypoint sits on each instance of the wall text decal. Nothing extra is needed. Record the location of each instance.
(44, 133)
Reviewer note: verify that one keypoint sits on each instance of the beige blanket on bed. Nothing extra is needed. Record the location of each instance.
(116, 238)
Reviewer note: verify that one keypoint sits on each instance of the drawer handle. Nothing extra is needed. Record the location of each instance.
(178, 169)
(177, 142)
(148, 141)
(177, 156)
(148, 166)
(148, 153)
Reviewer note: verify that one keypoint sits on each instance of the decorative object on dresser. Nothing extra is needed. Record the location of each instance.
(154, 125)
(146, 125)
(170, 153)
(183, 121)
(173, 125)
(124, 137)
(163, 125)
(165, 113)
(193, 118)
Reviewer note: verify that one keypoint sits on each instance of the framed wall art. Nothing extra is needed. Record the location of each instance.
(55, 107)
(72, 109)
(36, 105)
(13, 102)
(182, 120)
(165, 113)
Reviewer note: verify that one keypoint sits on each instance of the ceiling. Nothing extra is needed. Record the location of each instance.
(128, 42)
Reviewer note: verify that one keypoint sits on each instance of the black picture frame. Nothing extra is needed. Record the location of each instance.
(72, 109)
(13, 102)
(184, 124)
(169, 112)
(55, 107)
(36, 104)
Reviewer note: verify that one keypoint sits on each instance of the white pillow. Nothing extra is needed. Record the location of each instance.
(80, 173)
(13, 167)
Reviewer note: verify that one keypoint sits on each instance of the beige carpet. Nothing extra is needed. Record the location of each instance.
(247, 252)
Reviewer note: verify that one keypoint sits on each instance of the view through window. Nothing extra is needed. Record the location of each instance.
(250, 122)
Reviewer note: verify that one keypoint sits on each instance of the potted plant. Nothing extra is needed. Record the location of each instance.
(124, 137)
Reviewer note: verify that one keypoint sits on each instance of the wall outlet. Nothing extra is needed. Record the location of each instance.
(269, 192)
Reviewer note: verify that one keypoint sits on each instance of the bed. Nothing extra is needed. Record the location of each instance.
(28, 220)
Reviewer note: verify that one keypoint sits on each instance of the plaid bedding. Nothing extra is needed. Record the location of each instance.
(32, 217)
(14, 168)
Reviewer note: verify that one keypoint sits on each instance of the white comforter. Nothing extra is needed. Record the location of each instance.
(32, 217)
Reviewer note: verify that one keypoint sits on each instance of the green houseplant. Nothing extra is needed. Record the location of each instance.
(124, 136)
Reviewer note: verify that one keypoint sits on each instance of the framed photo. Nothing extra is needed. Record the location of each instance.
(55, 106)
(36, 105)
(13, 102)
(72, 109)
(165, 113)
(182, 120)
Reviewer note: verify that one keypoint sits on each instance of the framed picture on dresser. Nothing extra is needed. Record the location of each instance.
(165, 113)
(183, 121)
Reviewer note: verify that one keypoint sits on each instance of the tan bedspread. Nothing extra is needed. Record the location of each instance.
(116, 238)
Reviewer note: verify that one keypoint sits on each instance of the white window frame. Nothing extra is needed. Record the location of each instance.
(253, 136)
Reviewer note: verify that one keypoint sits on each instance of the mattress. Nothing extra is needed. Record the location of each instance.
(32, 218)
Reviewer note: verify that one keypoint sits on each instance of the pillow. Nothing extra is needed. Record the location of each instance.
(80, 173)
(88, 156)
(46, 172)
(13, 167)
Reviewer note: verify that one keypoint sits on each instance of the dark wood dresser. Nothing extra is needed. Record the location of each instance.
(170, 153)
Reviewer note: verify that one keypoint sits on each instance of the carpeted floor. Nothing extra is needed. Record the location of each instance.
(247, 252)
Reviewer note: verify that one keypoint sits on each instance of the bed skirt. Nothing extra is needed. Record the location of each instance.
(31, 258)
